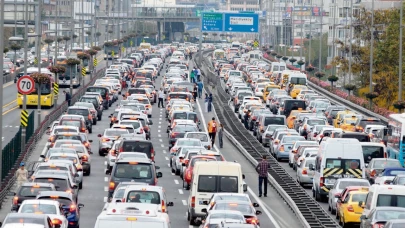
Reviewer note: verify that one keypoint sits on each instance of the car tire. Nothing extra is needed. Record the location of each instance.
(99, 117)
(91, 130)
(290, 164)
(177, 172)
(100, 152)
(81, 185)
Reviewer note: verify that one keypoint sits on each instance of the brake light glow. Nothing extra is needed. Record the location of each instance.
(84, 158)
(111, 186)
(15, 200)
(350, 208)
(193, 201)
(56, 222)
(72, 208)
(304, 171)
(163, 206)
(105, 139)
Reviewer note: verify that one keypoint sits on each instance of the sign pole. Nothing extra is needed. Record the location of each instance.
(24, 108)
(200, 43)
(25, 85)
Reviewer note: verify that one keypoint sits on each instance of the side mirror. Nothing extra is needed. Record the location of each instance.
(99, 135)
(366, 165)
(200, 130)
(80, 205)
(262, 90)
(311, 167)
(245, 187)
(110, 116)
(256, 205)
(150, 122)
(159, 175)
(75, 187)
(205, 202)
(204, 210)
(170, 204)
(90, 140)
(258, 212)
(108, 172)
(118, 201)
(157, 167)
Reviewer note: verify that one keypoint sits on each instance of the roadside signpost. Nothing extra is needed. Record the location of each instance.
(25, 85)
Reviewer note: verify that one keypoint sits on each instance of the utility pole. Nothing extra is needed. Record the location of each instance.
(320, 39)
(56, 46)
(333, 37)
(38, 53)
(82, 24)
(1, 81)
(310, 37)
(350, 42)
(24, 129)
(371, 49)
(400, 53)
(302, 32)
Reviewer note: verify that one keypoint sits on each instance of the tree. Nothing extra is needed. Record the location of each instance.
(314, 50)
(332, 79)
(15, 47)
(349, 88)
(5, 50)
(59, 39)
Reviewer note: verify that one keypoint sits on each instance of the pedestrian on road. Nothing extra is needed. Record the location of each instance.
(195, 89)
(161, 95)
(209, 108)
(212, 130)
(68, 97)
(246, 118)
(200, 88)
(262, 169)
(22, 175)
(198, 74)
(220, 135)
(192, 77)
(206, 102)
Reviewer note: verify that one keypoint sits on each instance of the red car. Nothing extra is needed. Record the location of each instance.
(188, 174)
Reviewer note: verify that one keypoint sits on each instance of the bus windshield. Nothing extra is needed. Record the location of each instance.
(45, 89)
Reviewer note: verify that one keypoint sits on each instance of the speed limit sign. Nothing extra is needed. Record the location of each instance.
(25, 85)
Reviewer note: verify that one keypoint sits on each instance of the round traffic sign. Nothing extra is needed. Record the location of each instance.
(25, 85)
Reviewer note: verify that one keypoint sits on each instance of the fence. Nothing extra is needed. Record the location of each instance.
(12, 150)
(34, 137)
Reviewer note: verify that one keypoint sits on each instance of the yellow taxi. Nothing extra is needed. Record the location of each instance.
(268, 89)
(340, 116)
(349, 211)
(349, 123)
(296, 89)
(293, 116)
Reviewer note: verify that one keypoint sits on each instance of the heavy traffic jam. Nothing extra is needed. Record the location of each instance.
(353, 163)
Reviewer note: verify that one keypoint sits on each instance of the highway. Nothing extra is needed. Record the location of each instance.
(11, 111)
(93, 195)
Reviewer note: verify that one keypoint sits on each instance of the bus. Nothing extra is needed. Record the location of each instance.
(108, 52)
(219, 54)
(47, 95)
(85, 64)
(395, 137)
(71, 75)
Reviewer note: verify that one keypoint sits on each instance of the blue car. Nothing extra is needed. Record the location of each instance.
(388, 174)
(71, 210)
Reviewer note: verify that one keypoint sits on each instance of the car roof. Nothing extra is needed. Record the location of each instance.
(56, 193)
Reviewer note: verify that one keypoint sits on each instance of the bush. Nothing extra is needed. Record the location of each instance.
(91, 52)
(319, 74)
(40, 78)
(284, 58)
(57, 69)
(399, 105)
(108, 44)
(72, 62)
(83, 55)
(310, 68)
(292, 60)
(300, 62)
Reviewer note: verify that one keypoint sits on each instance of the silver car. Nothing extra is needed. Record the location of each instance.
(304, 174)
(268, 133)
(339, 186)
(107, 139)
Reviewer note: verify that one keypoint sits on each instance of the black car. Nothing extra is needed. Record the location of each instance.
(128, 169)
(104, 94)
(136, 145)
(82, 111)
(61, 182)
(179, 131)
(29, 190)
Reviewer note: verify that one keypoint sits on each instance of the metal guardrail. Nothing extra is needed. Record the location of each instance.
(307, 210)
(340, 101)
(10, 179)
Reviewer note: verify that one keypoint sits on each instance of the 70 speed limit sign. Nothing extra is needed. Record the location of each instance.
(25, 85)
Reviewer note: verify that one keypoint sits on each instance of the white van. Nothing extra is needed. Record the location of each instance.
(130, 215)
(337, 158)
(383, 196)
(373, 150)
(209, 178)
(297, 79)
(278, 66)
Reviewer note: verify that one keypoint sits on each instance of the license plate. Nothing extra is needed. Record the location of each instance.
(132, 212)
(33, 102)
(330, 181)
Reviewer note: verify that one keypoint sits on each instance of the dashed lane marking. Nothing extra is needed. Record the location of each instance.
(158, 130)
(160, 140)
(105, 179)
(105, 163)
(159, 126)
(164, 151)
(162, 145)
(184, 202)
(181, 192)
(159, 135)
(168, 165)
(167, 159)
(176, 181)
(106, 189)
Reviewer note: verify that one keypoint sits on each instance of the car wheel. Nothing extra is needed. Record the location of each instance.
(101, 153)
(177, 173)
(88, 171)
(81, 185)
(290, 164)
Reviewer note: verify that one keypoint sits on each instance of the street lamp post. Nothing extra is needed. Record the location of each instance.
(371, 50)
(400, 53)
(1, 81)
(38, 53)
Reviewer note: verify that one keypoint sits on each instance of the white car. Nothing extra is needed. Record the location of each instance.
(202, 136)
(137, 126)
(52, 208)
(258, 90)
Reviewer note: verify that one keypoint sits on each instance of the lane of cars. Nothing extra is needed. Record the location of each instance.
(341, 154)
(64, 180)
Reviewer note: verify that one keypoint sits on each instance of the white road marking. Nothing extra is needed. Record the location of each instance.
(176, 181)
(160, 122)
(162, 145)
(172, 173)
(168, 165)
(106, 189)
(105, 179)
(159, 126)
(167, 159)
(181, 192)
(2, 138)
(158, 130)
(160, 140)
(184, 202)
(105, 162)
(160, 119)
(105, 199)
(17, 126)
(164, 151)
(159, 135)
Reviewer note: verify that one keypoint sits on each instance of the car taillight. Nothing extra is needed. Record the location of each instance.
(105, 139)
(186, 161)
(90, 117)
(163, 206)
(378, 225)
(83, 129)
(315, 134)
(251, 221)
(111, 186)
(72, 208)
(350, 208)
(281, 148)
(321, 180)
(15, 200)
(193, 201)
(112, 152)
(188, 175)
(86, 144)
(85, 158)
(174, 134)
(304, 171)
(56, 222)
(152, 154)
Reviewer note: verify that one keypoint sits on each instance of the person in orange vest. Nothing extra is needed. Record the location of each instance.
(212, 130)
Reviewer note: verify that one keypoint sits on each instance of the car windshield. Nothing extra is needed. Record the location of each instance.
(393, 173)
(344, 184)
(212, 183)
(292, 139)
(62, 200)
(60, 143)
(139, 196)
(274, 120)
(38, 209)
(64, 130)
(244, 208)
(133, 171)
(115, 132)
(72, 123)
(184, 129)
(188, 143)
(232, 198)
(200, 136)
(32, 191)
(382, 164)
(386, 215)
(26, 220)
(342, 163)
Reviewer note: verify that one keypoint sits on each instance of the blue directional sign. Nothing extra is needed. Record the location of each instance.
(212, 22)
(241, 22)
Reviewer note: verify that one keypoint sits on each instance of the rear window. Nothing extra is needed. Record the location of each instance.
(359, 197)
(244, 208)
(183, 129)
(344, 184)
(80, 112)
(180, 115)
(130, 130)
(67, 130)
(39, 209)
(137, 146)
(135, 124)
(31, 191)
(62, 200)
(100, 90)
(385, 200)
(370, 152)
(360, 137)
(188, 143)
(274, 121)
(178, 96)
(73, 159)
(133, 171)
(26, 220)
(139, 196)
(115, 132)
(43, 167)
(71, 137)
(60, 184)
(136, 91)
(385, 215)
(210, 183)
(73, 123)
(202, 137)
